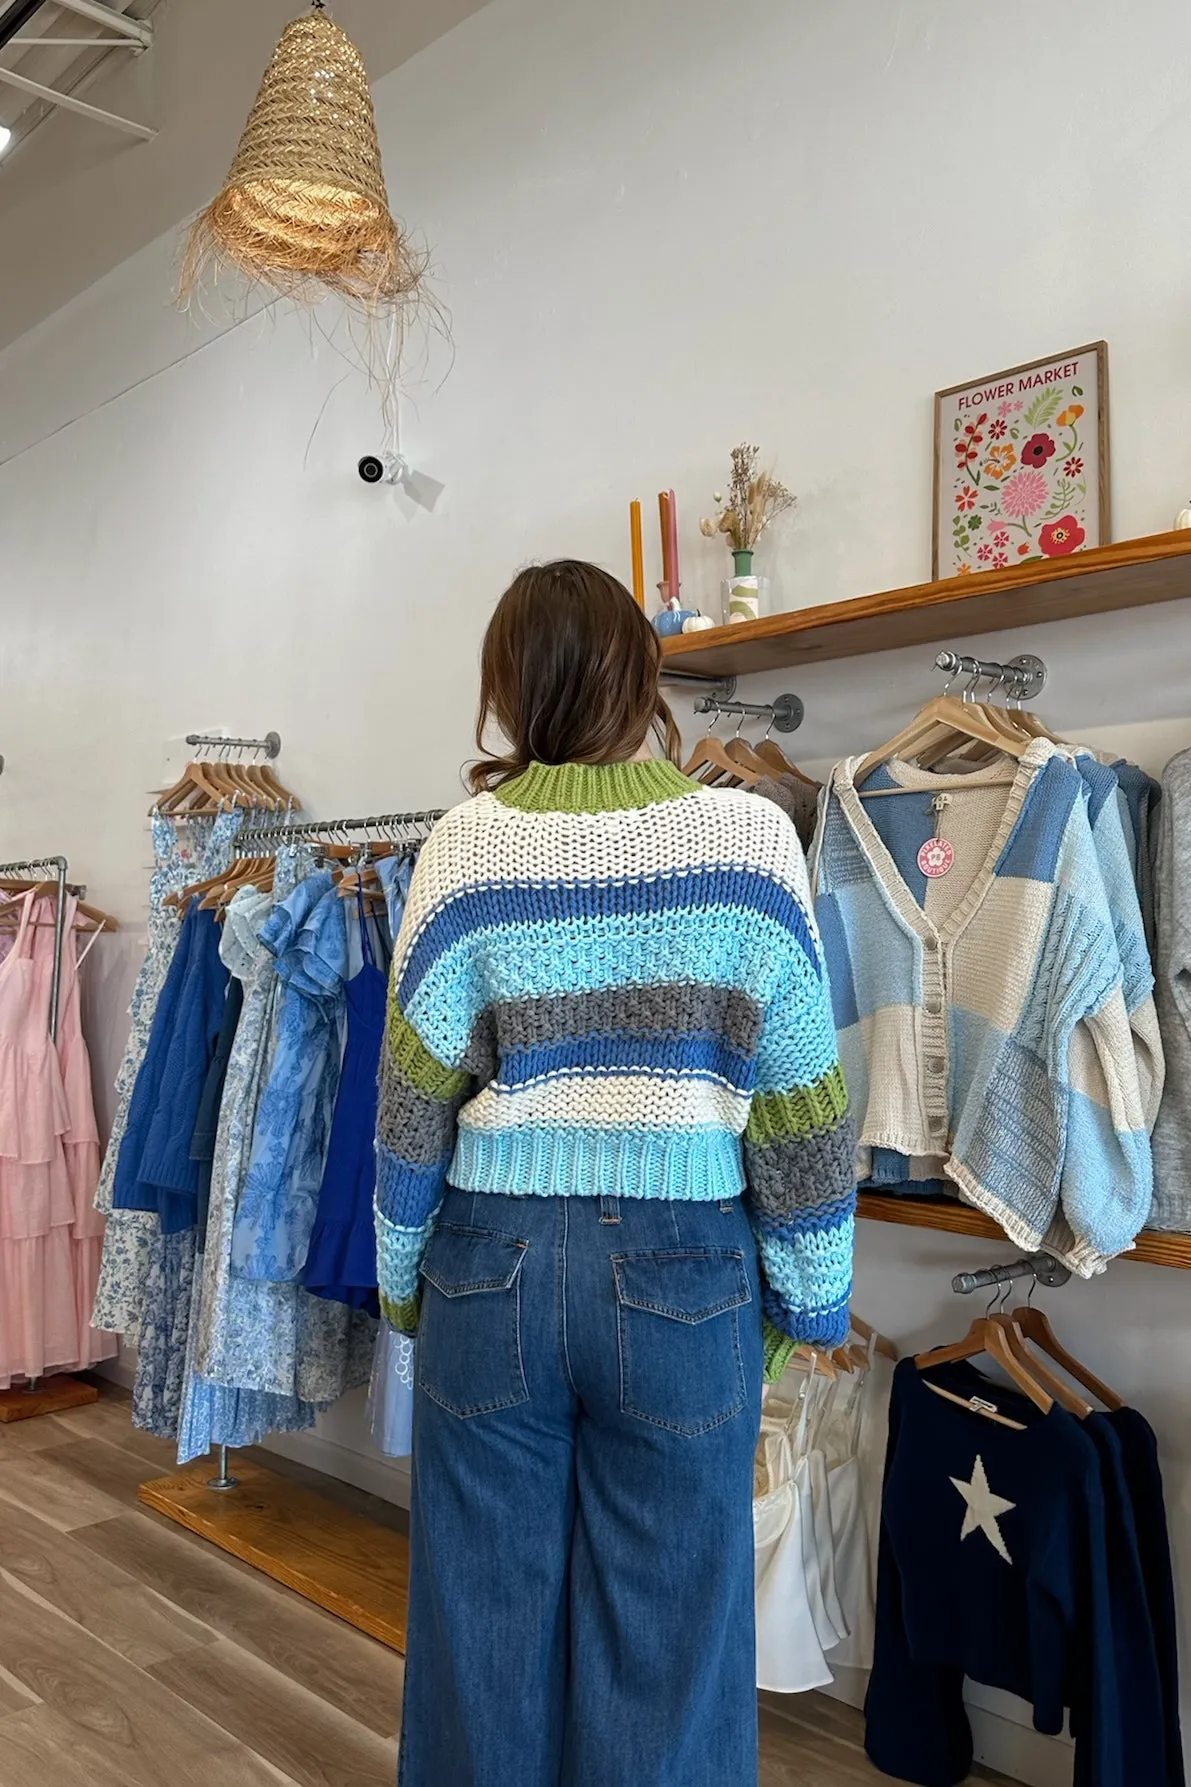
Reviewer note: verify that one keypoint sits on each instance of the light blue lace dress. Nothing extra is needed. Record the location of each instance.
(307, 935)
(252, 1335)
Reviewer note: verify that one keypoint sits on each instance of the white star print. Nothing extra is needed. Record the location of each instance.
(983, 1509)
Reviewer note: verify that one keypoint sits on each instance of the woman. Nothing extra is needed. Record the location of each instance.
(607, 976)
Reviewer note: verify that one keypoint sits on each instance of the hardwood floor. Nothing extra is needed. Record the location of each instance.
(133, 1654)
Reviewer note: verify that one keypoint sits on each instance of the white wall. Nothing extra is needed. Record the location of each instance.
(662, 227)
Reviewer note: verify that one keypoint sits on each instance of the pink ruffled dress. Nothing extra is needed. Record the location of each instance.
(50, 1236)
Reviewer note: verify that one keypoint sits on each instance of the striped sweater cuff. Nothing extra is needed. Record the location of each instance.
(399, 1254)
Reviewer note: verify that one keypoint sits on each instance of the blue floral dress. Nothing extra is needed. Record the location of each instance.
(253, 1335)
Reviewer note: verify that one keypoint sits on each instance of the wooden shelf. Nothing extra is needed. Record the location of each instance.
(1132, 574)
(1154, 1248)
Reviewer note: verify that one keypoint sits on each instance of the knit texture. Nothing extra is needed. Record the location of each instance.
(982, 1017)
(608, 980)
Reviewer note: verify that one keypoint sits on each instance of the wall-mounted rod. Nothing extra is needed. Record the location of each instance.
(786, 713)
(1043, 1268)
(322, 828)
(59, 865)
(212, 741)
(1021, 677)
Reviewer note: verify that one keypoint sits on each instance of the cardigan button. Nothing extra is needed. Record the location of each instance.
(936, 1067)
(930, 943)
(938, 1125)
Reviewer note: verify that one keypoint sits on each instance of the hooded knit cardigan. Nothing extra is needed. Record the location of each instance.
(608, 978)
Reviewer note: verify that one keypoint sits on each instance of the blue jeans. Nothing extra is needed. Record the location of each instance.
(581, 1544)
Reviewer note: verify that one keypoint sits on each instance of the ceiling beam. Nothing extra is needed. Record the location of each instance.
(107, 16)
(69, 103)
(74, 43)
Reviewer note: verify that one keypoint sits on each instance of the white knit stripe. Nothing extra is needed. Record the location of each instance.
(996, 980)
(483, 841)
(635, 1100)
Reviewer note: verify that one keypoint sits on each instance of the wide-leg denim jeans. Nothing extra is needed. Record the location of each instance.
(587, 1407)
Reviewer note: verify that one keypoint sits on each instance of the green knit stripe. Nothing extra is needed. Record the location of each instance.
(414, 1062)
(593, 787)
(401, 1316)
(779, 1350)
(806, 1110)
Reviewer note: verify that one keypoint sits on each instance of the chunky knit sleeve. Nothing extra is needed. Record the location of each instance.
(422, 1086)
(799, 1142)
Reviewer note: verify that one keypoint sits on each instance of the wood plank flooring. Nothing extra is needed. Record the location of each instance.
(134, 1654)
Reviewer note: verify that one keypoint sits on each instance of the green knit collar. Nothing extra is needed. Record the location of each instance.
(593, 787)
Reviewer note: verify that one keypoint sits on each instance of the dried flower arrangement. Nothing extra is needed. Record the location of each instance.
(755, 499)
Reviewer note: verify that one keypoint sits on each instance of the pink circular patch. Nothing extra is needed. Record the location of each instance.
(935, 857)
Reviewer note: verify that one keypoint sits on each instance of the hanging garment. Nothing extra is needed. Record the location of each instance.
(161, 1331)
(206, 1124)
(124, 1267)
(994, 1565)
(125, 1270)
(341, 1263)
(156, 1171)
(1172, 961)
(818, 1548)
(840, 1435)
(981, 1015)
(307, 935)
(790, 1658)
(294, 1351)
(391, 1394)
(49, 1237)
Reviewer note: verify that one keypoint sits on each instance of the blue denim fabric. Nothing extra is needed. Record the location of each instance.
(586, 1411)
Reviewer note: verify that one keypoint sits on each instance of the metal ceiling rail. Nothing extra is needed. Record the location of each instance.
(69, 103)
(117, 22)
(75, 43)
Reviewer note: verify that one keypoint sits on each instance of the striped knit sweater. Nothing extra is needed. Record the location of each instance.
(608, 980)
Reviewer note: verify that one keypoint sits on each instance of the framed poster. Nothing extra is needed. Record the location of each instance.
(1021, 464)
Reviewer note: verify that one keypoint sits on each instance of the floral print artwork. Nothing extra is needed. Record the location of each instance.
(1017, 467)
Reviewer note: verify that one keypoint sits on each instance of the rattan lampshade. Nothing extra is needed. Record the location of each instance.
(304, 208)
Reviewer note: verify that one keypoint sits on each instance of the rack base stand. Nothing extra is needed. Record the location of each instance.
(337, 1559)
(53, 1396)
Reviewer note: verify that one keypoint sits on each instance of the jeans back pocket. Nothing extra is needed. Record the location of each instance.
(680, 1362)
(469, 1335)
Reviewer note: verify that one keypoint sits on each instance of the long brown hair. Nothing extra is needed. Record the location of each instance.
(569, 672)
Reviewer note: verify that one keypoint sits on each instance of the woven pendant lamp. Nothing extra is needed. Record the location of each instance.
(304, 209)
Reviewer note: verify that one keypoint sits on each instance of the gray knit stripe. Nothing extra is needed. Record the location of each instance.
(418, 1128)
(670, 1007)
(802, 1173)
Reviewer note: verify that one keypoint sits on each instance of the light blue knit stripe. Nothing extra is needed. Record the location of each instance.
(535, 961)
(697, 1164)
(399, 1256)
(1108, 1177)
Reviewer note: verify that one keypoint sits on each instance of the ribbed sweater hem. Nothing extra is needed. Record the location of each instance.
(628, 1164)
(1079, 1257)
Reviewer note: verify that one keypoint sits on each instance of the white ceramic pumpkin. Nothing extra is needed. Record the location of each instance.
(1183, 518)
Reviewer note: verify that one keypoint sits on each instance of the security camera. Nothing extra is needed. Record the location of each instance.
(379, 468)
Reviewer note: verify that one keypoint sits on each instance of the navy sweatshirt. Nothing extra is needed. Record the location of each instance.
(992, 1564)
(1143, 1476)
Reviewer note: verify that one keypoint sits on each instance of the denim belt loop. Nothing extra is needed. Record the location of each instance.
(609, 1209)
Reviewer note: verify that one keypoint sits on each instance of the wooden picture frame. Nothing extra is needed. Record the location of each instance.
(1021, 464)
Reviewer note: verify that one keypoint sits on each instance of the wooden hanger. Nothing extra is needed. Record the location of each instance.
(866, 1331)
(741, 752)
(98, 919)
(1035, 1325)
(1063, 1394)
(780, 765)
(943, 723)
(986, 1336)
(712, 754)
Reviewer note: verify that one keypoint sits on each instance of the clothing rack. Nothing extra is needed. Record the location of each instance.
(270, 745)
(1021, 678)
(59, 866)
(1043, 1268)
(786, 713)
(314, 829)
